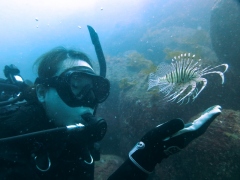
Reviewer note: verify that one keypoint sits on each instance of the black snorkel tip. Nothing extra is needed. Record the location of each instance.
(93, 34)
(99, 51)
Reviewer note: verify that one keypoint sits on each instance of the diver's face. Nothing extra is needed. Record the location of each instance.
(59, 112)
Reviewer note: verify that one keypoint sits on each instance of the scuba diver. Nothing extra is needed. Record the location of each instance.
(50, 130)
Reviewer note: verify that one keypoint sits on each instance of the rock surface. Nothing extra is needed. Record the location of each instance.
(225, 31)
(106, 166)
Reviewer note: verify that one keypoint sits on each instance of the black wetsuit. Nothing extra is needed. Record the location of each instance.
(68, 160)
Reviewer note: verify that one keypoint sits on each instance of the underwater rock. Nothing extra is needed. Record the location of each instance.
(106, 166)
(225, 37)
(225, 31)
(163, 41)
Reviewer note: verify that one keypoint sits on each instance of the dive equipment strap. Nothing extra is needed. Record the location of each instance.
(140, 145)
(15, 148)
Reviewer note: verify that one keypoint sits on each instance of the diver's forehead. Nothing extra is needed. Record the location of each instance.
(70, 63)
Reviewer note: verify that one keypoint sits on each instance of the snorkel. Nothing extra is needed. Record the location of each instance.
(100, 55)
(99, 125)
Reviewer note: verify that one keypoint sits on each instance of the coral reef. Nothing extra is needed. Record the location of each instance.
(137, 62)
(195, 42)
(125, 84)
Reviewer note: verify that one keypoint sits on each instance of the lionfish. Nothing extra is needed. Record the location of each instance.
(182, 80)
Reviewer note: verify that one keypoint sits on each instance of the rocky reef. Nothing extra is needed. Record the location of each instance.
(225, 31)
(106, 166)
(162, 41)
(131, 111)
(225, 38)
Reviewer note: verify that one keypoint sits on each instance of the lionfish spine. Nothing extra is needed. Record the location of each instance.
(182, 69)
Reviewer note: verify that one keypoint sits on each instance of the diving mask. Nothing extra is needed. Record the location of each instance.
(79, 86)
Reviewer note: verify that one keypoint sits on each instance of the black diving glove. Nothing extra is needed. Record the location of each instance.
(169, 138)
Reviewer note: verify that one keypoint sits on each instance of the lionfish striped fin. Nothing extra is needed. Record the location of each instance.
(152, 81)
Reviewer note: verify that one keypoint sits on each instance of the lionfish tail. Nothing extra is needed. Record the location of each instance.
(152, 81)
(220, 73)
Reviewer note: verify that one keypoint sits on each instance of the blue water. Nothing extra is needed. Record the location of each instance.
(30, 28)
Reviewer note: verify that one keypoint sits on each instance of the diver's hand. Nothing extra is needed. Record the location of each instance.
(169, 138)
(194, 129)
